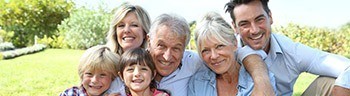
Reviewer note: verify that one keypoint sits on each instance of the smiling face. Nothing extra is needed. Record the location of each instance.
(166, 49)
(129, 32)
(219, 57)
(97, 82)
(253, 24)
(137, 77)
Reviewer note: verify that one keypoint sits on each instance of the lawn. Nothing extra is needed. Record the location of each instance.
(51, 71)
(45, 73)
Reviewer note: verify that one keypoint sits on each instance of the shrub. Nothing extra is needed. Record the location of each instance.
(22, 51)
(85, 28)
(6, 46)
(5, 36)
(30, 18)
(329, 40)
(54, 42)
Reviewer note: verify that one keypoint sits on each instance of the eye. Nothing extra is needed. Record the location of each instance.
(120, 25)
(260, 20)
(88, 74)
(160, 46)
(103, 75)
(144, 69)
(135, 25)
(177, 49)
(130, 69)
(220, 46)
(243, 25)
(205, 51)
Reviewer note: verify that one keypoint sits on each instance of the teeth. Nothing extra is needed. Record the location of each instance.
(137, 81)
(257, 37)
(96, 87)
(128, 38)
(217, 63)
(165, 63)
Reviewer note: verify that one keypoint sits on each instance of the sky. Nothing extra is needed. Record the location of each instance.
(316, 13)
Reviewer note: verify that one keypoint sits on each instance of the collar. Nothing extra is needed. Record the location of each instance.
(274, 46)
(209, 75)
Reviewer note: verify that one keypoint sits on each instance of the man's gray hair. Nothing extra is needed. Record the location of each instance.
(176, 23)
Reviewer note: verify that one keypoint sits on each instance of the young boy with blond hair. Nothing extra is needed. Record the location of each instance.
(97, 69)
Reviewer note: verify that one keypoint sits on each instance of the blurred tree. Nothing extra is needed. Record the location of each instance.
(85, 28)
(30, 18)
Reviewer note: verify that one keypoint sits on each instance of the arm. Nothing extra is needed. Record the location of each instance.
(253, 62)
(340, 91)
(316, 61)
(258, 71)
(342, 85)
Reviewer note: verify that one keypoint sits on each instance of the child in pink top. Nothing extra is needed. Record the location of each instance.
(137, 70)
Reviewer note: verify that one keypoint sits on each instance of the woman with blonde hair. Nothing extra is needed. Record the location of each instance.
(128, 29)
(217, 46)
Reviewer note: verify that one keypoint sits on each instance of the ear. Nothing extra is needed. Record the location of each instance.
(234, 27)
(120, 76)
(271, 20)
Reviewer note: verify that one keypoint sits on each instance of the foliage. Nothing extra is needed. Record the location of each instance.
(6, 46)
(5, 36)
(85, 28)
(44, 73)
(54, 42)
(192, 43)
(325, 39)
(22, 51)
(343, 40)
(1, 56)
(30, 18)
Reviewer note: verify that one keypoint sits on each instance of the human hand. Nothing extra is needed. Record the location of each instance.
(263, 90)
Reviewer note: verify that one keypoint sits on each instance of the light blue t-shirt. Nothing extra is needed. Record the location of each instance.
(287, 60)
(343, 79)
(177, 82)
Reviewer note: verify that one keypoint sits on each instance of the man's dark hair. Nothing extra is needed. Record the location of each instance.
(233, 3)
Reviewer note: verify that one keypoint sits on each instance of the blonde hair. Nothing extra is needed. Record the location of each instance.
(99, 58)
(120, 14)
(213, 26)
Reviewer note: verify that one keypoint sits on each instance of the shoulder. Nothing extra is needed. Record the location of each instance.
(190, 55)
(74, 91)
(192, 61)
(202, 76)
(160, 92)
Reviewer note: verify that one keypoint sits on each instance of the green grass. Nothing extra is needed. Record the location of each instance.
(304, 80)
(44, 73)
(51, 71)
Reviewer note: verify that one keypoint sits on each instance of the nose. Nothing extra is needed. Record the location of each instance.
(127, 29)
(94, 79)
(214, 55)
(136, 72)
(255, 28)
(167, 55)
